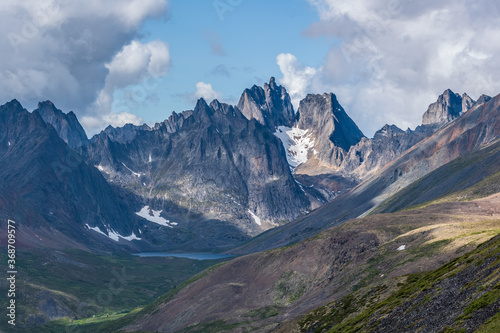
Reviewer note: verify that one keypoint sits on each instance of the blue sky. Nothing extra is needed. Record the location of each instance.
(231, 48)
(133, 61)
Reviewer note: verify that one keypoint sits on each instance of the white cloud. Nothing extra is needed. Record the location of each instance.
(392, 58)
(121, 119)
(206, 91)
(57, 49)
(136, 64)
(296, 78)
(113, 119)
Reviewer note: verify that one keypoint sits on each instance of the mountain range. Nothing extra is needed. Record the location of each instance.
(287, 190)
(204, 179)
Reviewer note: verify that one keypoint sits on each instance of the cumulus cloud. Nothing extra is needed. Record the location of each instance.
(392, 58)
(58, 49)
(114, 119)
(136, 64)
(206, 91)
(296, 78)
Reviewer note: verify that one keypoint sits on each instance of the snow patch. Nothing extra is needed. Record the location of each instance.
(9, 143)
(131, 237)
(297, 144)
(133, 172)
(255, 217)
(150, 159)
(154, 216)
(301, 186)
(101, 168)
(402, 247)
(113, 234)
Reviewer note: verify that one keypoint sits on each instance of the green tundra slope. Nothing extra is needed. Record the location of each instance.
(56, 288)
(366, 274)
(272, 290)
(461, 296)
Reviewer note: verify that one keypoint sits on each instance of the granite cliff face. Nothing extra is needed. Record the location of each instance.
(66, 124)
(49, 189)
(329, 123)
(475, 129)
(448, 107)
(126, 133)
(271, 106)
(210, 164)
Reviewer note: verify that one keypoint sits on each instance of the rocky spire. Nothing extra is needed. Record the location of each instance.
(323, 116)
(448, 107)
(271, 106)
(66, 124)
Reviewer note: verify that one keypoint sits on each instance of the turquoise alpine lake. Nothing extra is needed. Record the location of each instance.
(196, 256)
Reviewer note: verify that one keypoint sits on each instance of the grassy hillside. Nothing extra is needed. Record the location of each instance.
(460, 296)
(363, 275)
(57, 288)
(359, 262)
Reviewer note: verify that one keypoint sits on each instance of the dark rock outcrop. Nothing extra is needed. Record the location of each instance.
(212, 162)
(51, 191)
(66, 125)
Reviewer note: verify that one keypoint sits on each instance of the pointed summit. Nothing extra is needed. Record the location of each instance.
(445, 109)
(483, 99)
(324, 116)
(66, 125)
(272, 83)
(271, 106)
(387, 131)
(467, 103)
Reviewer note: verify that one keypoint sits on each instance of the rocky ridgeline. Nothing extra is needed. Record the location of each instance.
(449, 106)
(224, 173)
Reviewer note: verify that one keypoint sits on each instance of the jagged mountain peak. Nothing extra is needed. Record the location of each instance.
(324, 116)
(124, 134)
(13, 106)
(173, 123)
(387, 131)
(202, 108)
(483, 99)
(271, 106)
(272, 84)
(66, 125)
(221, 107)
(448, 106)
